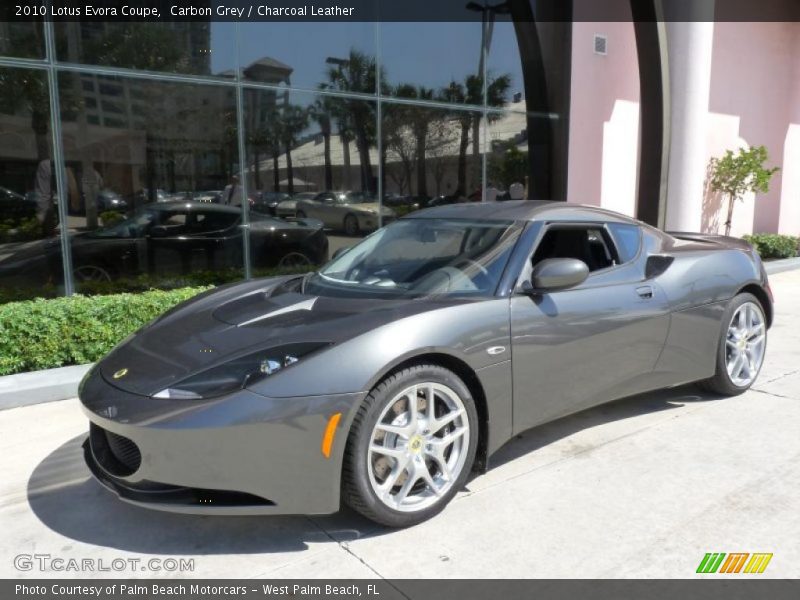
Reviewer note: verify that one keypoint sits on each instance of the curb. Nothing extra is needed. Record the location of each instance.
(24, 389)
(779, 266)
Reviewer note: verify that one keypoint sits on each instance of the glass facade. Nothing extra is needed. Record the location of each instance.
(137, 155)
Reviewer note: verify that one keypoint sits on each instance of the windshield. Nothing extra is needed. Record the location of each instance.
(135, 226)
(421, 257)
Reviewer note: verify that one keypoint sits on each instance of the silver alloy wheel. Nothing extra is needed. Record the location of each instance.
(418, 447)
(745, 343)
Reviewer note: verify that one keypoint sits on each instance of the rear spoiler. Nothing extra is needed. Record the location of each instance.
(712, 238)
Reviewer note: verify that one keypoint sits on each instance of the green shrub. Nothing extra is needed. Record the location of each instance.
(773, 245)
(41, 334)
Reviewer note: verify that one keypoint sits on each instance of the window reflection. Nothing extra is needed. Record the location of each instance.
(30, 250)
(428, 156)
(190, 47)
(156, 201)
(25, 40)
(432, 56)
(298, 54)
(311, 159)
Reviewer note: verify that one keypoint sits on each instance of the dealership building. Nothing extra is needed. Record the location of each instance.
(99, 120)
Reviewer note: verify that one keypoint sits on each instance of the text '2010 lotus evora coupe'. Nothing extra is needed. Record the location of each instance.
(390, 375)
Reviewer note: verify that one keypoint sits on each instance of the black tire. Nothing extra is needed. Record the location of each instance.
(351, 227)
(721, 383)
(300, 214)
(357, 491)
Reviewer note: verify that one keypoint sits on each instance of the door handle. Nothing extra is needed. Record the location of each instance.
(645, 292)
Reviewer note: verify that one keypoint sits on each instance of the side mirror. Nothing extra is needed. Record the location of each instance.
(158, 231)
(340, 251)
(555, 274)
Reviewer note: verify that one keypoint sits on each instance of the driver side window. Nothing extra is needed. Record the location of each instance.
(590, 244)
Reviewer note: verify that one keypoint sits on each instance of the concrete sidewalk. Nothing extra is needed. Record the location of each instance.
(639, 488)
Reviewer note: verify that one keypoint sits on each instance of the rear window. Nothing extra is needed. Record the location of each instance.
(628, 239)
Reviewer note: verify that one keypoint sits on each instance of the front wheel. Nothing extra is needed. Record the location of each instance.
(742, 346)
(412, 446)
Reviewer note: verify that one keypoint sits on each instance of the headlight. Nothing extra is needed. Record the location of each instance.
(239, 372)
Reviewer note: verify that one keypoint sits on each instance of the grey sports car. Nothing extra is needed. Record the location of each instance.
(390, 375)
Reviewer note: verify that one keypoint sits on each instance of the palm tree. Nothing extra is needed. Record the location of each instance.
(420, 119)
(456, 93)
(320, 112)
(471, 93)
(295, 121)
(357, 74)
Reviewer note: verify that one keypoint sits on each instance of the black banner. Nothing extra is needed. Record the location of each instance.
(154, 11)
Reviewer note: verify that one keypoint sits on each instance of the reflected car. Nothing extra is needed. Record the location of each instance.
(172, 238)
(110, 200)
(210, 196)
(387, 377)
(267, 202)
(351, 212)
(15, 206)
(288, 207)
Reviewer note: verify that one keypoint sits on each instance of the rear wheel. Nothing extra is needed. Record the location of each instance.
(351, 225)
(742, 346)
(412, 446)
(91, 273)
(294, 259)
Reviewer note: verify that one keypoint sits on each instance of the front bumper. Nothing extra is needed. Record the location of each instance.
(237, 454)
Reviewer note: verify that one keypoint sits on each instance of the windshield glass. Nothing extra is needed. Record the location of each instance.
(135, 226)
(421, 257)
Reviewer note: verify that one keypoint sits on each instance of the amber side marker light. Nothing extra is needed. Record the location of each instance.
(330, 432)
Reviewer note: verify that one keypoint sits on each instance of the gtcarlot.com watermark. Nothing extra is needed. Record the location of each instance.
(48, 562)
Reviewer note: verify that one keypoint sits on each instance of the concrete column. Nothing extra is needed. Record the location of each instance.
(689, 47)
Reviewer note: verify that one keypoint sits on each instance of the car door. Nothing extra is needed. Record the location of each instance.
(214, 239)
(589, 344)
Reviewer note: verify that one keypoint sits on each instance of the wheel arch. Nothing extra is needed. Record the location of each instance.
(763, 297)
(470, 379)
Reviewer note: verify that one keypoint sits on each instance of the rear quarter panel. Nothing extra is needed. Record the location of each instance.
(699, 283)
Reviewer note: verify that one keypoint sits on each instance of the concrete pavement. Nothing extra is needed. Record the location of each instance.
(643, 487)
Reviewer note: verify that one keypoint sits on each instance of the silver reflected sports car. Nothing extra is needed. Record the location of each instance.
(390, 375)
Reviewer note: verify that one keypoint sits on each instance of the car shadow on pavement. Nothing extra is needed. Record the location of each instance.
(65, 498)
(627, 408)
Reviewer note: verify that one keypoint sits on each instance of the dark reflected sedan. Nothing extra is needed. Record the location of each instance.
(172, 238)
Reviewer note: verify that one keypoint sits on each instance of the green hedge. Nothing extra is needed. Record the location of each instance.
(773, 245)
(41, 334)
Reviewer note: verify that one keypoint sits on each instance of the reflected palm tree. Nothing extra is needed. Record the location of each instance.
(295, 120)
(320, 112)
(471, 93)
(420, 120)
(357, 73)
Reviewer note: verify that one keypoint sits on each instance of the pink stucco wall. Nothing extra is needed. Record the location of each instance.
(754, 99)
(753, 82)
(604, 118)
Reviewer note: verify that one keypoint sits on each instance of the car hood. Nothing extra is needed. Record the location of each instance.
(239, 319)
(370, 206)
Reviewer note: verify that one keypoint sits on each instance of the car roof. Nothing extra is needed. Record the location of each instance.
(521, 210)
(204, 206)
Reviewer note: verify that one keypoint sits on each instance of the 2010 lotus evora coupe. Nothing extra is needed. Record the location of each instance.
(390, 375)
